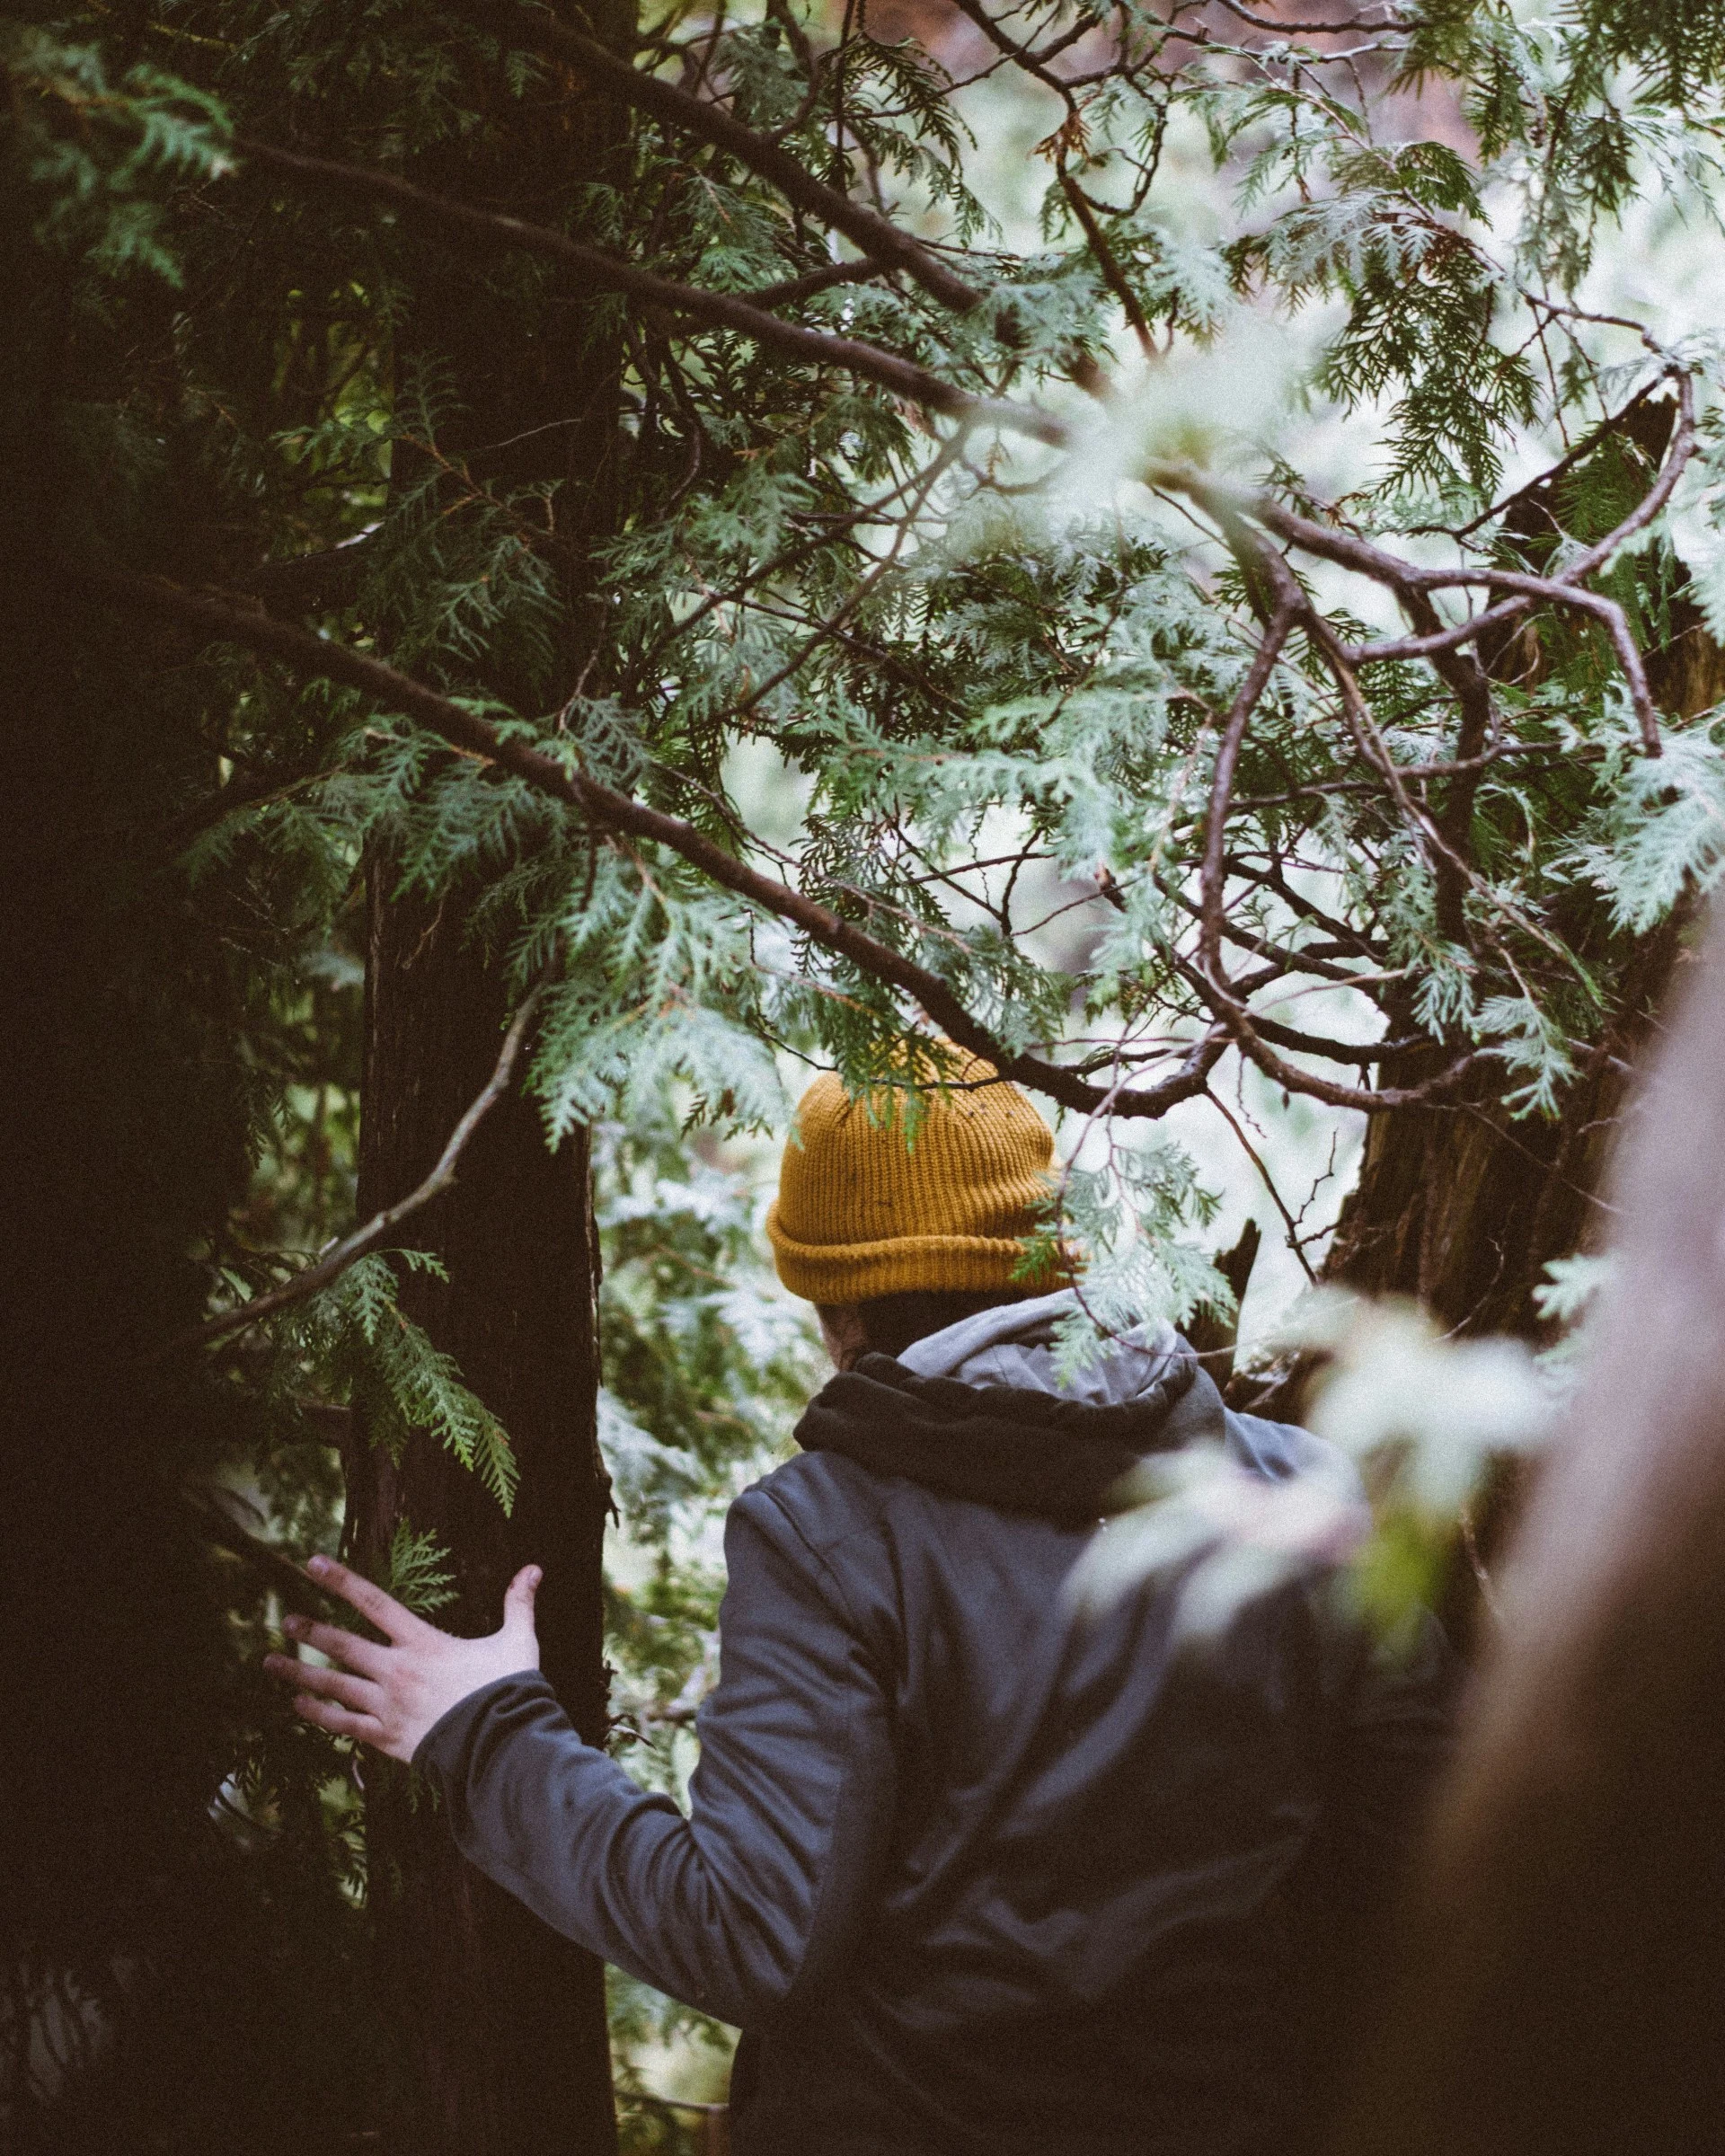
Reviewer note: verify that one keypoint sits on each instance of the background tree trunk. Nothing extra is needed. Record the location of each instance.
(507, 2031)
(1562, 1983)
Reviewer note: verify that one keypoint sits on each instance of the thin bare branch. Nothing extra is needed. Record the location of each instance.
(275, 1566)
(1544, 481)
(1107, 262)
(797, 289)
(351, 1249)
(1410, 582)
(1227, 756)
(1267, 1180)
(1275, 27)
(1020, 56)
(1558, 591)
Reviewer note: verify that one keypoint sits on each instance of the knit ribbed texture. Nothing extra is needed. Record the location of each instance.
(861, 1213)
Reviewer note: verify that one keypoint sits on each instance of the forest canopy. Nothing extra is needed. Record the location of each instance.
(565, 566)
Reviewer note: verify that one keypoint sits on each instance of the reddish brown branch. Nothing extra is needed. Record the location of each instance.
(1276, 584)
(1556, 590)
(1412, 583)
(279, 1571)
(1107, 262)
(1227, 757)
(1020, 56)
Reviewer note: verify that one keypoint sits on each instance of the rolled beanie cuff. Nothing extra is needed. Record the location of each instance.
(857, 1272)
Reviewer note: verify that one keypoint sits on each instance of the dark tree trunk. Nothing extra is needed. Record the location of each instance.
(1465, 1208)
(506, 2039)
(1462, 1206)
(507, 2020)
(1561, 1981)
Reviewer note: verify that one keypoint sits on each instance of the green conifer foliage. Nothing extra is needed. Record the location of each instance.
(1140, 727)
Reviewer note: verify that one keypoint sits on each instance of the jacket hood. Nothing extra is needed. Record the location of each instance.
(976, 1412)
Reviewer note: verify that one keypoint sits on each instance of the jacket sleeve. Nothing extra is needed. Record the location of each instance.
(743, 1906)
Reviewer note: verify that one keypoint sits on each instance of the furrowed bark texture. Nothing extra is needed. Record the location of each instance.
(1562, 1983)
(505, 2020)
(1464, 1208)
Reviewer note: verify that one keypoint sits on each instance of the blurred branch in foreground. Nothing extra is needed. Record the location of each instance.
(1561, 1982)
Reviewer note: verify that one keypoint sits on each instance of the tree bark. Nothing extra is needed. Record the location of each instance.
(505, 2029)
(506, 2019)
(1462, 1206)
(1561, 1984)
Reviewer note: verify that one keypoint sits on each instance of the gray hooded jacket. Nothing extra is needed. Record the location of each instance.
(973, 1872)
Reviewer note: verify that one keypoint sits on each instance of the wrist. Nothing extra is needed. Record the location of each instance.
(440, 1744)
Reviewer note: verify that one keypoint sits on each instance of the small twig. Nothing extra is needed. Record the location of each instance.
(810, 282)
(1349, 550)
(1020, 56)
(1256, 1158)
(279, 1570)
(1227, 756)
(1107, 262)
(336, 1260)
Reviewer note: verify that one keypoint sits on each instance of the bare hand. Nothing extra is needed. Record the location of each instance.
(390, 1696)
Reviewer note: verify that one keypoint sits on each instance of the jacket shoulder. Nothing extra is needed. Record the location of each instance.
(1280, 1450)
(824, 1497)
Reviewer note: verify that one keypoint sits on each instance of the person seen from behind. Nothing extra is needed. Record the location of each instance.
(971, 1869)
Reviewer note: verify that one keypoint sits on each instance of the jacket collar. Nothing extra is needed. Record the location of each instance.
(1016, 1446)
(1013, 1345)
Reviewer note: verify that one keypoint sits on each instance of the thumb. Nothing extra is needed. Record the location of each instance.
(518, 1607)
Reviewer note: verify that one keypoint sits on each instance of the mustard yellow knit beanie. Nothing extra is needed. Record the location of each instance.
(863, 1210)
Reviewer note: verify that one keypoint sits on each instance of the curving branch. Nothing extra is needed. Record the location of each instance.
(1278, 27)
(351, 1249)
(1278, 587)
(1557, 591)
(795, 289)
(722, 310)
(881, 240)
(1330, 542)
(226, 617)
(1026, 61)
(1413, 585)
(1211, 874)
(299, 1589)
(1107, 261)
